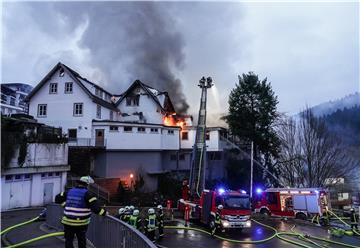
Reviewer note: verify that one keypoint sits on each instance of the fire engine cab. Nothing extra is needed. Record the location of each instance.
(292, 202)
(235, 214)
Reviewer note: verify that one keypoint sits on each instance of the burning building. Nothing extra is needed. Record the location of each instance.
(125, 135)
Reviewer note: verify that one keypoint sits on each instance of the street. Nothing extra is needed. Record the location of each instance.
(188, 238)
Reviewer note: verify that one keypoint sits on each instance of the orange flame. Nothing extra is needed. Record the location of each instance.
(172, 121)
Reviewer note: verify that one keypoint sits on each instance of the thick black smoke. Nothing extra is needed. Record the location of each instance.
(131, 40)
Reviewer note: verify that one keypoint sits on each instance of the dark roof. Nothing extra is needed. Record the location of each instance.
(168, 106)
(18, 86)
(75, 76)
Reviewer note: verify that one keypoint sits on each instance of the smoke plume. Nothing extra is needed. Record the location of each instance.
(131, 40)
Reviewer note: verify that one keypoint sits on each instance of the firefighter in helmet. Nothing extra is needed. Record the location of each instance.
(135, 219)
(121, 213)
(217, 221)
(127, 214)
(353, 219)
(150, 224)
(160, 221)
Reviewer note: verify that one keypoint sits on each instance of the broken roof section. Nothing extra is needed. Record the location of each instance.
(161, 98)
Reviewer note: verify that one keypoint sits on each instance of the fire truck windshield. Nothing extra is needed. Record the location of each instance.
(237, 202)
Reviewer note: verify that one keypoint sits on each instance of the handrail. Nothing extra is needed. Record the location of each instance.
(106, 231)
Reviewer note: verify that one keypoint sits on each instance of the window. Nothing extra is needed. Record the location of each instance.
(78, 109)
(12, 101)
(111, 115)
(127, 129)
(114, 128)
(98, 111)
(72, 133)
(42, 109)
(218, 201)
(50, 174)
(184, 136)
(8, 178)
(271, 197)
(98, 92)
(57, 174)
(27, 176)
(182, 156)
(215, 155)
(207, 136)
(170, 131)
(132, 100)
(61, 72)
(53, 88)
(141, 129)
(43, 174)
(173, 157)
(154, 130)
(68, 88)
(17, 177)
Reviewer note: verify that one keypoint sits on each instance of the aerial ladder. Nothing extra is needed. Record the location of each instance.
(198, 158)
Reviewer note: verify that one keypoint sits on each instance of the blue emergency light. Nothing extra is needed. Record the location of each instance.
(258, 190)
(221, 190)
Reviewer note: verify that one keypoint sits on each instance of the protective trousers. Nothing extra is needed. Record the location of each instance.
(71, 231)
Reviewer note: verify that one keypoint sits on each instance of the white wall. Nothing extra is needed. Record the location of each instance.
(43, 155)
(137, 140)
(213, 144)
(147, 106)
(60, 107)
(29, 192)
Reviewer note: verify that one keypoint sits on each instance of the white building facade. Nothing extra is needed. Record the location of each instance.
(136, 132)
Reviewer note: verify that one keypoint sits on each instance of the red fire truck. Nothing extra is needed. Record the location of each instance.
(235, 214)
(300, 203)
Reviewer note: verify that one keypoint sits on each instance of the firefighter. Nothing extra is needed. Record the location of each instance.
(217, 221)
(79, 204)
(160, 221)
(353, 220)
(127, 214)
(121, 213)
(131, 209)
(150, 224)
(185, 190)
(135, 219)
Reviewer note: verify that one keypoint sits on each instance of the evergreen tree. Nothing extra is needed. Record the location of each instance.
(252, 113)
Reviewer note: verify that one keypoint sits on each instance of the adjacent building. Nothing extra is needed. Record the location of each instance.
(12, 98)
(41, 173)
(137, 132)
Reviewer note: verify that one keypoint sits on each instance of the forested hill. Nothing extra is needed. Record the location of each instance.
(345, 123)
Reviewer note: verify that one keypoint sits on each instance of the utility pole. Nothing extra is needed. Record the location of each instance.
(252, 169)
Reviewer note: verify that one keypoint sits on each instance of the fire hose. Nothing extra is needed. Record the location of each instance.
(306, 238)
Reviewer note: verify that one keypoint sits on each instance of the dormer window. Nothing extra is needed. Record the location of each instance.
(61, 72)
(133, 100)
(53, 88)
(98, 93)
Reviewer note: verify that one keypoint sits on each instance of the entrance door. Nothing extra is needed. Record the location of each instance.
(72, 134)
(48, 193)
(99, 137)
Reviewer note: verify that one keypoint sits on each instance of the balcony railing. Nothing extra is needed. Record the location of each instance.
(87, 142)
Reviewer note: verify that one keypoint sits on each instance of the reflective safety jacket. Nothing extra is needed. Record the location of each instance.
(135, 221)
(151, 222)
(160, 218)
(217, 218)
(78, 205)
(353, 218)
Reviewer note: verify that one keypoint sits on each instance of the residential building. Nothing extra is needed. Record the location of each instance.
(12, 98)
(43, 171)
(137, 132)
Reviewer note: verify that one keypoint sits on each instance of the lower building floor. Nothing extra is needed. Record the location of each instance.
(129, 166)
(30, 187)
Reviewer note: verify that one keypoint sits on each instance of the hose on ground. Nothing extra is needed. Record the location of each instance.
(36, 239)
(346, 224)
(19, 225)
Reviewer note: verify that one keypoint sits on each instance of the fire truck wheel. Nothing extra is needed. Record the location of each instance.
(265, 212)
(301, 216)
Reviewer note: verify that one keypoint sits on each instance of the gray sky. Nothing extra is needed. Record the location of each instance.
(308, 51)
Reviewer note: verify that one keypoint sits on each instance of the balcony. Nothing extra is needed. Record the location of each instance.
(87, 142)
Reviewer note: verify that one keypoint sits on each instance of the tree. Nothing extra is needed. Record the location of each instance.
(310, 155)
(252, 113)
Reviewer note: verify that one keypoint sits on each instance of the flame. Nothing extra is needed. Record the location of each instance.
(171, 120)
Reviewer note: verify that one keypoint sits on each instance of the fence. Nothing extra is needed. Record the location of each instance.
(103, 231)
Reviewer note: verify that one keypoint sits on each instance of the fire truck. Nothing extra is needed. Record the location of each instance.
(300, 203)
(235, 214)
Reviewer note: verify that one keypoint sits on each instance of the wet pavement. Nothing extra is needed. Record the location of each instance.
(28, 231)
(188, 238)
